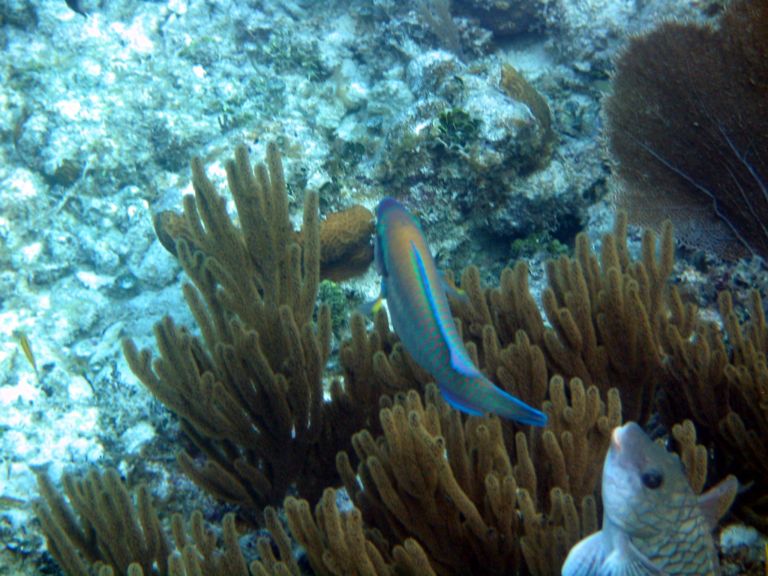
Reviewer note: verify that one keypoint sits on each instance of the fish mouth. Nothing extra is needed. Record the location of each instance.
(623, 436)
(616, 439)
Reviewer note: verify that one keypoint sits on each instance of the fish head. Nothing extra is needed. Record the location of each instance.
(396, 230)
(392, 216)
(643, 484)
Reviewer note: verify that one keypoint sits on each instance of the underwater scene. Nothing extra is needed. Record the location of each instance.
(383, 288)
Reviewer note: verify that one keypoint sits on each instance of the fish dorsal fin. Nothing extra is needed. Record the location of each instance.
(459, 362)
(716, 501)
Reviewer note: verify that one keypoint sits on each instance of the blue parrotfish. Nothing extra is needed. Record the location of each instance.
(421, 317)
(653, 523)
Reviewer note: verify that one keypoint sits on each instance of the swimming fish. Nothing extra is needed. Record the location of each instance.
(418, 306)
(26, 348)
(653, 523)
(76, 6)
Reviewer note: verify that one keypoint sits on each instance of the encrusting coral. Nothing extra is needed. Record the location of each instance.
(346, 249)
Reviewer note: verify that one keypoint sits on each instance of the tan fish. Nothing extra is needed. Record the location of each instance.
(653, 523)
(26, 348)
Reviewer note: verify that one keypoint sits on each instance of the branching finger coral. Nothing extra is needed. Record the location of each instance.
(451, 484)
(101, 532)
(723, 381)
(608, 317)
(337, 545)
(103, 527)
(435, 492)
(249, 389)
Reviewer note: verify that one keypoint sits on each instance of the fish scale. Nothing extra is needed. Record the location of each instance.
(686, 547)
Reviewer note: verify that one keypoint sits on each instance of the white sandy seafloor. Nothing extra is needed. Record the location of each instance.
(99, 118)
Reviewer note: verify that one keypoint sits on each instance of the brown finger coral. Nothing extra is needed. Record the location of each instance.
(97, 529)
(249, 390)
(608, 316)
(453, 485)
(720, 381)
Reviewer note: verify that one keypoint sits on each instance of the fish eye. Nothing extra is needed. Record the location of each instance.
(652, 479)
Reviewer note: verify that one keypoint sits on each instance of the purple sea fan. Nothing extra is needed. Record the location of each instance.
(687, 125)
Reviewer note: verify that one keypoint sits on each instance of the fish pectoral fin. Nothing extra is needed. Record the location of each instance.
(620, 566)
(599, 555)
(586, 558)
(453, 291)
(458, 403)
(627, 560)
(371, 308)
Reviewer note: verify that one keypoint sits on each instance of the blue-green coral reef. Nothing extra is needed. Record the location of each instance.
(433, 492)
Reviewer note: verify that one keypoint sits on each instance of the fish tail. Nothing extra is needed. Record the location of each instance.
(507, 406)
(488, 397)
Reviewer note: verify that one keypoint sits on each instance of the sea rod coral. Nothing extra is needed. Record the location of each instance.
(249, 390)
(434, 491)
